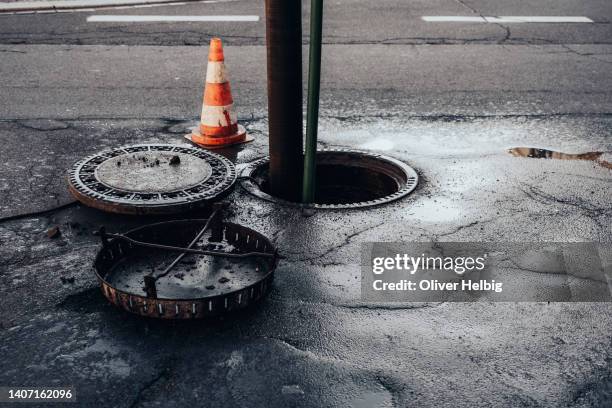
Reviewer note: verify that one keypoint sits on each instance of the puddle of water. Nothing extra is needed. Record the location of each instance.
(437, 210)
(536, 153)
(473, 137)
(378, 144)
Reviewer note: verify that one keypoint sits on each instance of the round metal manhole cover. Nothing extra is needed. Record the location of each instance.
(151, 179)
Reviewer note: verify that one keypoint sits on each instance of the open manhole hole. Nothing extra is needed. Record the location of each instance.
(345, 179)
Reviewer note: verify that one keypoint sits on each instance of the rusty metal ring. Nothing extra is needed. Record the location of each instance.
(115, 251)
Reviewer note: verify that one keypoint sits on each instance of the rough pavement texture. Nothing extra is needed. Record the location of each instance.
(38, 153)
(388, 22)
(313, 342)
(103, 82)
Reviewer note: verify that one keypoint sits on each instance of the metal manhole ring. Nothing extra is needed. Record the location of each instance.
(117, 255)
(404, 174)
(139, 179)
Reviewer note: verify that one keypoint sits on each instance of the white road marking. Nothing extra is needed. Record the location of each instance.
(507, 19)
(453, 19)
(157, 19)
(539, 19)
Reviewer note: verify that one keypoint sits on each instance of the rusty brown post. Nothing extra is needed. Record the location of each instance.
(284, 45)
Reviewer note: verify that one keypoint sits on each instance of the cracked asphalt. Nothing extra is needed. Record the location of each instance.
(448, 100)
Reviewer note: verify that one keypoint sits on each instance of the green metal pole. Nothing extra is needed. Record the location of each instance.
(312, 116)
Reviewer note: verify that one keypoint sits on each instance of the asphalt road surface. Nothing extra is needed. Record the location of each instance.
(346, 22)
(449, 98)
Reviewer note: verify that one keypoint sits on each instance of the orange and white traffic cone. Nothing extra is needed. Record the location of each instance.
(219, 123)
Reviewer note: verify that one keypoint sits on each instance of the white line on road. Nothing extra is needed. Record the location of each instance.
(453, 19)
(155, 19)
(539, 19)
(507, 19)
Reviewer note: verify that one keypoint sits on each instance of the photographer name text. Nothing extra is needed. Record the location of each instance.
(411, 265)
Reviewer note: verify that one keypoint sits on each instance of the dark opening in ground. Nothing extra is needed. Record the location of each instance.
(345, 179)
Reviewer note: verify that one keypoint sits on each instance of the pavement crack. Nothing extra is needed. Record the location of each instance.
(347, 240)
(116, 36)
(584, 54)
(508, 33)
(595, 391)
(503, 27)
(463, 118)
(389, 307)
(395, 387)
(513, 265)
(467, 6)
(39, 213)
(460, 228)
(14, 51)
(293, 344)
(43, 125)
(584, 176)
(359, 117)
(163, 374)
(30, 171)
(542, 197)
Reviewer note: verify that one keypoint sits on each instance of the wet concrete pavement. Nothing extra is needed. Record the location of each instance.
(313, 342)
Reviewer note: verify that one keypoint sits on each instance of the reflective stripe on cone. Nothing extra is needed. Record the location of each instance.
(216, 73)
